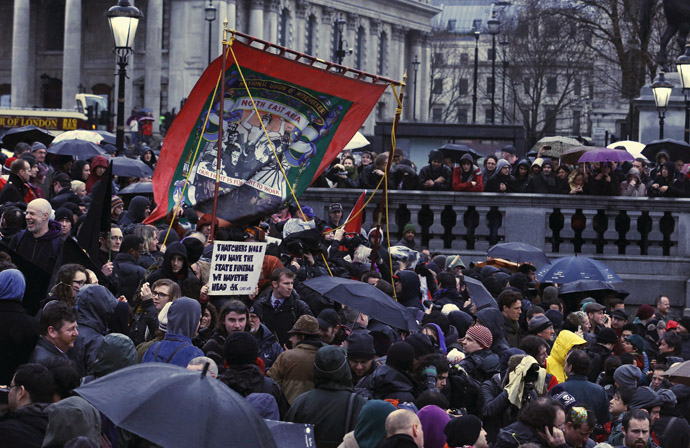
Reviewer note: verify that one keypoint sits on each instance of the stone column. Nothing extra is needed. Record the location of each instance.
(423, 81)
(71, 59)
(416, 50)
(256, 19)
(372, 59)
(231, 14)
(301, 29)
(271, 22)
(351, 39)
(396, 52)
(325, 41)
(154, 49)
(20, 56)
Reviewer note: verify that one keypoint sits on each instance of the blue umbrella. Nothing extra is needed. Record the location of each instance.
(572, 269)
(76, 148)
(126, 167)
(519, 253)
(108, 137)
(481, 297)
(175, 407)
(138, 188)
(590, 287)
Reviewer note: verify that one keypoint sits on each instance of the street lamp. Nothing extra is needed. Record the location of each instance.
(123, 19)
(683, 67)
(662, 92)
(515, 87)
(210, 11)
(415, 65)
(340, 52)
(476, 67)
(504, 45)
(493, 27)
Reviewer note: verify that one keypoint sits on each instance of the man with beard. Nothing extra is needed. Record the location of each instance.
(636, 424)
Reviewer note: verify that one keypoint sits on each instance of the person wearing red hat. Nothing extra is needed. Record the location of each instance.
(480, 362)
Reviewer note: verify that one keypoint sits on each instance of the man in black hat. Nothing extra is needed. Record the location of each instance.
(360, 356)
(618, 319)
(600, 352)
(335, 215)
(541, 326)
(597, 318)
(508, 152)
(328, 324)
(465, 431)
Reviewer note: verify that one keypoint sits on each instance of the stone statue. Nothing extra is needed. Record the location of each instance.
(677, 14)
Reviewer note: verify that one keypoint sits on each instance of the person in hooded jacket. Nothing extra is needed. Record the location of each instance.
(493, 319)
(41, 242)
(544, 182)
(18, 331)
(603, 182)
(176, 347)
(467, 176)
(666, 184)
(480, 362)
(139, 208)
(435, 176)
(95, 306)
(633, 185)
(533, 421)
(394, 380)
(70, 419)
(332, 406)
(242, 375)
(98, 166)
(370, 429)
(502, 181)
(175, 266)
(555, 363)
(407, 288)
(269, 348)
(149, 158)
(522, 176)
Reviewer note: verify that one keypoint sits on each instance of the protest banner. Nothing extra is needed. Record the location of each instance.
(235, 267)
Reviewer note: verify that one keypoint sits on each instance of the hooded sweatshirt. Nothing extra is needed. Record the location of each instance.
(410, 296)
(70, 418)
(93, 178)
(136, 212)
(542, 183)
(637, 190)
(95, 306)
(433, 419)
(42, 251)
(370, 429)
(462, 180)
(555, 363)
(165, 271)
(493, 185)
(177, 348)
(430, 173)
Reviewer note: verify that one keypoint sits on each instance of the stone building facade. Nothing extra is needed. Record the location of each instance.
(63, 47)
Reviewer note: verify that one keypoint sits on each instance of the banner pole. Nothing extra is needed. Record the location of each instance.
(382, 205)
(220, 133)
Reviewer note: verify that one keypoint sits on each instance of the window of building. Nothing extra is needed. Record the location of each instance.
(463, 86)
(5, 95)
(381, 111)
(361, 56)
(526, 84)
(437, 114)
(552, 85)
(284, 23)
(489, 84)
(490, 54)
(438, 59)
(383, 52)
(477, 24)
(311, 35)
(550, 121)
(464, 57)
(438, 86)
(451, 24)
(577, 87)
(489, 114)
(462, 116)
(577, 115)
(54, 26)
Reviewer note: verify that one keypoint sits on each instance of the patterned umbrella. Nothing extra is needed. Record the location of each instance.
(88, 136)
(557, 144)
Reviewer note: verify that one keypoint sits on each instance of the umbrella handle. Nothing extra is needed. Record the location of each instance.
(205, 369)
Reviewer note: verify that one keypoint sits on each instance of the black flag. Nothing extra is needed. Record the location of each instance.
(98, 217)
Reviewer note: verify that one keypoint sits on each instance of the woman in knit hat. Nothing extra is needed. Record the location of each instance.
(480, 362)
(116, 208)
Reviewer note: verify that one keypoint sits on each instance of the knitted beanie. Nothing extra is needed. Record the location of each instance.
(645, 312)
(463, 431)
(482, 335)
(401, 356)
(240, 348)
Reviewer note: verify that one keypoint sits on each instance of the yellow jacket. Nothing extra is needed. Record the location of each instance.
(555, 363)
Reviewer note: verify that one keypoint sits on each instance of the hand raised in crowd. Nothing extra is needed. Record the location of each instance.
(554, 438)
(107, 269)
(146, 291)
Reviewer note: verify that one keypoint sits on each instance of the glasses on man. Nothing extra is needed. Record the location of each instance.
(159, 294)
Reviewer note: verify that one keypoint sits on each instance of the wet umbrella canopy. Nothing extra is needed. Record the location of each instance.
(124, 166)
(676, 149)
(365, 298)
(28, 134)
(518, 252)
(174, 407)
(76, 148)
(571, 269)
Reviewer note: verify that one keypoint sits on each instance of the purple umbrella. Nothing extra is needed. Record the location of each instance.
(606, 155)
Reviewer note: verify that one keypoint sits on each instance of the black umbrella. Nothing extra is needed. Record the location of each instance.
(174, 407)
(366, 299)
(594, 288)
(76, 148)
(519, 253)
(676, 149)
(455, 152)
(108, 137)
(291, 435)
(137, 188)
(28, 134)
(481, 297)
(126, 167)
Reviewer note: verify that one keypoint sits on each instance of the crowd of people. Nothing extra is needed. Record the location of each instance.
(522, 368)
(511, 174)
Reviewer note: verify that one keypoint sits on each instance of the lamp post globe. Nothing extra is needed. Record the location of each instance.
(683, 68)
(493, 27)
(123, 19)
(661, 89)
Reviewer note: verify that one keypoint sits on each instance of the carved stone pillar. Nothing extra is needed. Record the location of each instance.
(71, 55)
(154, 49)
(256, 19)
(21, 21)
(271, 23)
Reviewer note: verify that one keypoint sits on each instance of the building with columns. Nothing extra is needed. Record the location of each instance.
(63, 47)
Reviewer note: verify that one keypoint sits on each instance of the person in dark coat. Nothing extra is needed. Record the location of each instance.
(407, 286)
(590, 395)
(393, 380)
(125, 268)
(242, 375)
(176, 347)
(480, 362)
(600, 352)
(502, 181)
(269, 348)
(139, 208)
(544, 182)
(17, 187)
(41, 242)
(435, 176)
(31, 391)
(522, 176)
(666, 183)
(18, 330)
(58, 332)
(602, 182)
(62, 191)
(95, 306)
(332, 406)
(534, 419)
(175, 265)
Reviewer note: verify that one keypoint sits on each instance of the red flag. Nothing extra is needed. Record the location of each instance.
(355, 226)
(308, 117)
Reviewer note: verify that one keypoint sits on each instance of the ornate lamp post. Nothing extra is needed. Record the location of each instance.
(123, 19)
(504, 44)
(494, 27)
(476, 67)
(210, 16)
(340, 52)
(662, 92)
(415, 66)
(683, 67)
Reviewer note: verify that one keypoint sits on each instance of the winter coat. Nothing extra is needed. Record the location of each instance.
(430, 173)
(45, 351)
(675, 186)
(481, 365)
(637, 190)
(462, 181)
(496, 410)
(410, 296)
(590, 395)
(493, 185)
(598, 354)
(247, 379)
(555, 363)
(165, 271)
(176, 347)
(542, 184)
(71, 418)
(129, 275)
(24, 427)
(42, 251)
(93, 178)
(145, 322)
(399, 441)
(293, 370)
(512, 332)
(493, 319)
(326, 405)
(269, 348)
(280, 321)
(136, 213)
(15, 190)
(18, 336)
(95, 306)
(518, 433)
(64, 196)
(390, 383)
